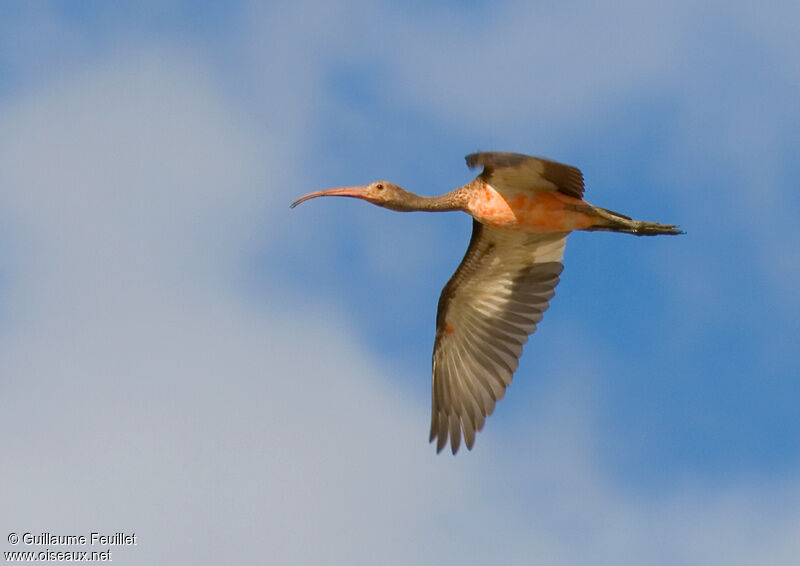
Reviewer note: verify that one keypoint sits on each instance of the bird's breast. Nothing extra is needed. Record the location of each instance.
(534, 211)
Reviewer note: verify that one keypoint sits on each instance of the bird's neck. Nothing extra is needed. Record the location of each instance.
(454, 200)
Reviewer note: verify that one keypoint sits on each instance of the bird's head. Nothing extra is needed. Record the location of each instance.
(382, 193)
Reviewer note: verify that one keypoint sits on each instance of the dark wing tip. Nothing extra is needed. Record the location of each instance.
(470, 442)
(441, 441)
(455, 443)
(492, 159)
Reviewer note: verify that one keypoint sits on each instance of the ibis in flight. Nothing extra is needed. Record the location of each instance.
(523, 208)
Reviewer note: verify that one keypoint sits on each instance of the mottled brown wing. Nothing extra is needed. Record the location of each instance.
(523, 172)
(486, 312)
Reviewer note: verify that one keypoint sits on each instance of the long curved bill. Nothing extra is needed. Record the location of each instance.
(357, 192)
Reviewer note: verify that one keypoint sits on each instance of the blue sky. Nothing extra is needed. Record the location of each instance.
(185, 357)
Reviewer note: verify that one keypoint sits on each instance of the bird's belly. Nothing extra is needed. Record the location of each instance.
(538, 211)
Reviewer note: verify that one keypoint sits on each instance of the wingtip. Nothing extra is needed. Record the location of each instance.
(441, 442)
(454, 447)
(469, 443)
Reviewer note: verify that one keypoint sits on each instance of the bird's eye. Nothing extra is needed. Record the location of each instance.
(379, 186)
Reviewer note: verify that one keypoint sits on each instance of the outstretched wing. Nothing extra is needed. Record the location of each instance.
(523, 172)
(486, 312)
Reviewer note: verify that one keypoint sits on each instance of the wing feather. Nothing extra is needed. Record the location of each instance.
(487, 310)
(524, 172)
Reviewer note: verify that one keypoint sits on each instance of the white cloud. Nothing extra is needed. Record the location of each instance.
(546, 69)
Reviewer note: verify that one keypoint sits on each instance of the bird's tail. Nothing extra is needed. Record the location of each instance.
(611, 221)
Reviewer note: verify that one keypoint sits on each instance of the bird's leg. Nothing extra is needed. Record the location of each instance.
(616, 222)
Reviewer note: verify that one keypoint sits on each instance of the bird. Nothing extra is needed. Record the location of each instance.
(523, 209)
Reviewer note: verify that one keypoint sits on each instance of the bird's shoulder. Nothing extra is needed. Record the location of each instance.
(494, 258)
